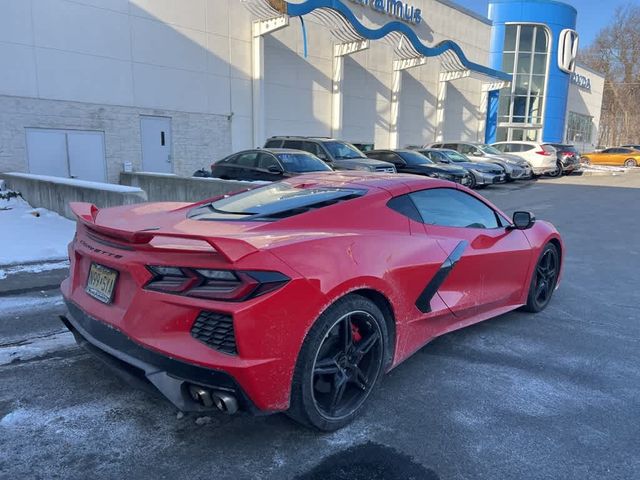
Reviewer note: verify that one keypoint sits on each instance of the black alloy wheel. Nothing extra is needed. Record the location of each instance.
(472, 181)
(557, 172)
(545, 278)
(339, 365)
(346, 365)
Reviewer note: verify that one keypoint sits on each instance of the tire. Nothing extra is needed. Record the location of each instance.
(557, 172)
(630, 162)
(543, 280)
(473, 183)
(323, 371)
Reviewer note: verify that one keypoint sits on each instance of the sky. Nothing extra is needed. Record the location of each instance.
(592, 14)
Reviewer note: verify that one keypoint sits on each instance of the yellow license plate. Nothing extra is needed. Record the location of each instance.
(101, 282)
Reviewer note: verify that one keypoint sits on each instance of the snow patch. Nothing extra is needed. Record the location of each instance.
(37, 347)
(33, 268)
(16, 305)
(109, 187)
(32, 234)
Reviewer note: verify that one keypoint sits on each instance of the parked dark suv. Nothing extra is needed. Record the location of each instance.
(338, 154)
(568, 159)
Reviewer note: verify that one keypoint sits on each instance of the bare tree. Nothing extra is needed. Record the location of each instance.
(616, 53)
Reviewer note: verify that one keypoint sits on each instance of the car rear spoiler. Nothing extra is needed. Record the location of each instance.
(231, 249)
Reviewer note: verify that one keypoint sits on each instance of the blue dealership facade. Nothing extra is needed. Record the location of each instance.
(535, 106)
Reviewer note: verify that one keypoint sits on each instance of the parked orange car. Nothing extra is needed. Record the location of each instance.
(614, 156)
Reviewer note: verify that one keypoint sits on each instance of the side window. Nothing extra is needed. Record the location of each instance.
(528, 148)
(503, 147)
(246, 160)
(266, 160)
(466, 149)
(273, 144)
(310, 147)
(295, 144)
(232, 160)
(452, 208)
(450, 146)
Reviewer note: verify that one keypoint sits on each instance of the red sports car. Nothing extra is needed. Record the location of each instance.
(297, 295)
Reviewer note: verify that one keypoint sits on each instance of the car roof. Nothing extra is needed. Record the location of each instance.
(518, 142)
(301, 137)
(282, 150)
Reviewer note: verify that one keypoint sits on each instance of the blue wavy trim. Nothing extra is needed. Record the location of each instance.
(298, 9)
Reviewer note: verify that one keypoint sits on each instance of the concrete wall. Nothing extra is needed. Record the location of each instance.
(587, 102)
(55, 195)
(169, 188)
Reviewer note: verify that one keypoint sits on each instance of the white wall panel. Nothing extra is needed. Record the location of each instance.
(15, 22)
(241, 97)
(217, 19)
(218, 55)
(170, 88)
(160, 44)
(184, 13)
(20, 79)
(85, 78)
(73, 27)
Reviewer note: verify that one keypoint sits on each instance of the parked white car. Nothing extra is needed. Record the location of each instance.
(542, 158)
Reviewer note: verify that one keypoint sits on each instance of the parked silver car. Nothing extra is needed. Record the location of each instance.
(515, 167)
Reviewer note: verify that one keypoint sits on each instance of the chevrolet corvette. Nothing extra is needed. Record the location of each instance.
(298, 295)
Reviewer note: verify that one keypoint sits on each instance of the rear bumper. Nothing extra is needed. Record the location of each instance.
(144, 367)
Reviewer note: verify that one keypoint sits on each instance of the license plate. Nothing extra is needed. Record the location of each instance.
(101, 283)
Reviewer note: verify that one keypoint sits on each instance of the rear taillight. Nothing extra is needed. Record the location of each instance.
(226, 285)
(543, 152)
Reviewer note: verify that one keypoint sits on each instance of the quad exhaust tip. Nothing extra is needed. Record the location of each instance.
(223, 401)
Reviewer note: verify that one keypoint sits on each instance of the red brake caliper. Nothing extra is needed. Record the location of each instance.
(355, 332)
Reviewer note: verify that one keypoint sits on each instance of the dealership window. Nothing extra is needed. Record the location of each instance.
(579, 129)
(526, 57)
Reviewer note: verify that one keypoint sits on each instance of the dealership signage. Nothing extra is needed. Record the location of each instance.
(581, 81)
(394, 8)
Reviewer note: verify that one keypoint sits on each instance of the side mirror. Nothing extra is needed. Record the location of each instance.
(444, 160)
(275, 169)
(323, 157)
(477, 154)
(522, 221)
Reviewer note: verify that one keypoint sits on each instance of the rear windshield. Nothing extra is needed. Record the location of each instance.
(302, 162)
(273, 201)
(564, 148)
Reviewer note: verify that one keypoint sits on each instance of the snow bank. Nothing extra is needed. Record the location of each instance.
(108, 187)
(37, 347)
(29, 235)
(34, 268)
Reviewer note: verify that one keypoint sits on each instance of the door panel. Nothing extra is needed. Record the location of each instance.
(155, 134)
(491, 271)
(47, 152)
(86, 156)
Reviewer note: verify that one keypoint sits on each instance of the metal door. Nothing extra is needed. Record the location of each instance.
(155, 133)
(47, 152)
(86, 155)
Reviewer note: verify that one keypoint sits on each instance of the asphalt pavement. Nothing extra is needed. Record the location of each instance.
(549, 396)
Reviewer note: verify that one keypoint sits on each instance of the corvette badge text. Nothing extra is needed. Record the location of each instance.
(99, 251)
(394, 8)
